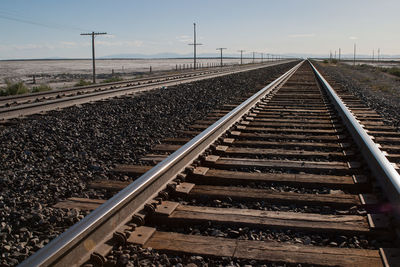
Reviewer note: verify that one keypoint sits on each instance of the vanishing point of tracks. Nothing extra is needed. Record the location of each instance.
(291, 158)
(24, 105)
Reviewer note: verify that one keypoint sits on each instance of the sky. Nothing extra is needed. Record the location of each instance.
(50, 29)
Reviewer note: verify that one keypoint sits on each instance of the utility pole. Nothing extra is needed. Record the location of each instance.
(93, 34)
(253, 56)
(379, 54)
(339, 54)
(373, 54)
(220, 49)
(354, 57)
(241, 56)
(262, 57)
(335, 54)
(194, 45)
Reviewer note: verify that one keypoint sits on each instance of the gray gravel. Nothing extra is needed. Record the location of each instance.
(376, 89)
(132, 255)
(51, 157)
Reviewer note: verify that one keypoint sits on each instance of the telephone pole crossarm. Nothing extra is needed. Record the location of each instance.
(95, 33)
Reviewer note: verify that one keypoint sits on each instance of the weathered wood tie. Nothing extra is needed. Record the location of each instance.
(263, 250)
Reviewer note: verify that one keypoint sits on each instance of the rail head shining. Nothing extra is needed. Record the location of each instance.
(383, 170)
(74, 246)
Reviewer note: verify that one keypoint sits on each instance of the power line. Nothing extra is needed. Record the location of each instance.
(18, 18)
(221, 48)
(194, 45)
(93, 34)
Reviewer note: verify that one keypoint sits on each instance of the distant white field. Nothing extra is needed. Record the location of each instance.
(51, 71)
(382, 64)
(20, 68)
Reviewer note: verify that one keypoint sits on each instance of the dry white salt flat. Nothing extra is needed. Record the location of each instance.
(382, 63)
(65, 73)
(20, 68)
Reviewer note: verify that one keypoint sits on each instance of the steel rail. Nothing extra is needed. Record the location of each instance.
(53, 93)
(383, 170)
(74, 246)
(33, 108)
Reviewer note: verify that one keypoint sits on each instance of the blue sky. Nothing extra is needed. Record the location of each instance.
(44, 28)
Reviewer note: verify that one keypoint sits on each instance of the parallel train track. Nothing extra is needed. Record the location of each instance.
(23, 105)
(296, 157)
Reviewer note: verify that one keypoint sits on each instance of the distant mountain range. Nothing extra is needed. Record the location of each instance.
(233, 55)
(170, 55)
(214, 55)
(159, 55)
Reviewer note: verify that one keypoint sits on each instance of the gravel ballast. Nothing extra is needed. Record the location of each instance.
(378, 90)
(51, 157)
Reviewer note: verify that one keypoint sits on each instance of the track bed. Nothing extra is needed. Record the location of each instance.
(283, 183)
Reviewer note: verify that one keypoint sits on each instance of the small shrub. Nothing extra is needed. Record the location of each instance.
(394, 71)
(14, 88)
(112, 80)
(82, 82)
(331, 61)
(41, 88)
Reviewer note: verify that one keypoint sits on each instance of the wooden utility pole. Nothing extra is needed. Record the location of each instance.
(93, 34)
(194, 45)
(354, 57)
(379, 54)
(241, 56)
(220, 49)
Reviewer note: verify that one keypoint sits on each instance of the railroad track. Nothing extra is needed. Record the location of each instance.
(23, 105)
(27, 98)
(291, 161)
